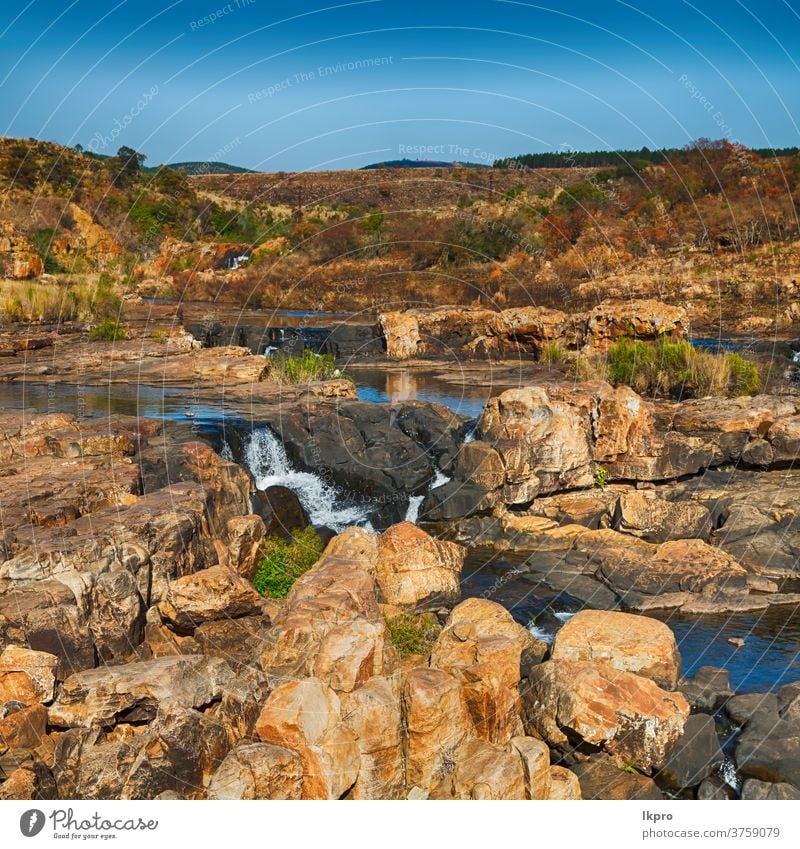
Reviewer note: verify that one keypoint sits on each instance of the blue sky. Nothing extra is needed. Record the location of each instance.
(312, 85)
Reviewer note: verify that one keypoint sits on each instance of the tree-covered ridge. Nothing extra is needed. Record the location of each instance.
(626, 159)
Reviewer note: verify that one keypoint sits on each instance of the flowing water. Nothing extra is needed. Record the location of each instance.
(768, 659)
(269, 465)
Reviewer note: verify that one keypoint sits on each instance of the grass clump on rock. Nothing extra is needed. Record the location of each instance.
(284, 561)
(302, 368)
(411, 634)
(108, 330)
(679, 369)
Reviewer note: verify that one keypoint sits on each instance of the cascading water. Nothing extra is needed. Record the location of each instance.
(225, 452)
(269, 465)
(540, 633)
(415, 501)
(729, 775)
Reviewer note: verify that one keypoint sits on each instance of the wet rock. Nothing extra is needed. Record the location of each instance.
(305, 717)
(768, 747)
(564, 785)
(601, 779)
(645, 516)
(26, 676)
(372, 713)
(626, 715)
(632, 643)
(436, 721)
(708, 689)
(281, 511)
(456, 500)
(754, 789)
(258, 771)
(207, 595)
(136, 691)
(417, 571)
(695, 756)
(535, 758)
(485, 771)
(715, 788)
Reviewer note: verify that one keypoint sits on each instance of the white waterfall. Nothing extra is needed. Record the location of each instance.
(415, 501)
(269, 465)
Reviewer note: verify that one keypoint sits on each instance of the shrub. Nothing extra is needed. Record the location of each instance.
(744, 373)
(411, 634)
(600, 477)
(553, 353)
(108, 330)
(300, 368)
(284, 561)
(680, 369)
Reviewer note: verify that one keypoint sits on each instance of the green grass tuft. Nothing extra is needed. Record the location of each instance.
(283, 562)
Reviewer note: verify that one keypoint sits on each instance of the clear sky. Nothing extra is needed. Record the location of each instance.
(311, 85)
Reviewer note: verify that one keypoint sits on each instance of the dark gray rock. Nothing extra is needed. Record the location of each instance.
(708, 689)
(695, 756)
(754, 789)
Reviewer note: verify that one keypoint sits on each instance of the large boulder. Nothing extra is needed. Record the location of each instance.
(281, 510)
(633, 566)
(415, 570)
(708, 689)
(484, 648)
(768, 748)
(245, 535)
(437, 722)
(626, 715)
(305, 716)
(214, 593)
(372, 713)
(176, 754)
(696, 755)
(258, 771)
(645, 319)
(623, 640)
(544, 444)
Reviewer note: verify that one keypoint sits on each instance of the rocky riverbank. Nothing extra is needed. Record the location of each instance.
(137, 660)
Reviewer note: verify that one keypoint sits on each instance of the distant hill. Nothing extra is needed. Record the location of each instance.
(421, 163)
(199, 168)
